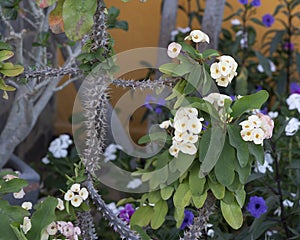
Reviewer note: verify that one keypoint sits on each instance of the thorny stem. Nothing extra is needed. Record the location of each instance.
(279, 189)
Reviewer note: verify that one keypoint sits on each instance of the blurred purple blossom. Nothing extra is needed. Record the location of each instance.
(257, 206)
(243, 1)
(294, 88)
(288, 46)
(126, 213)
(152, 100)
(188, 219)
(205, 125)
(255, 3)
(268, 20)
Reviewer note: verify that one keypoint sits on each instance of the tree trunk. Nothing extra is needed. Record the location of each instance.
(212, 22)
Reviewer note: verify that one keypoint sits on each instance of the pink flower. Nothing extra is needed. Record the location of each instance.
(68, 230)
(267, 125)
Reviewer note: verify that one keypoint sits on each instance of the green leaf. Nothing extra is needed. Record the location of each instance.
(183, 161)
(257, 151)
(182, 195)
(241, 82)
(10, 70)
(161, 136)
(55, 19)
(229, 197)
(19, 233)
(276, 41)
(179, 216)
(154, 197)
(142, 216)
(250, 102)
(232, 214)
(168, 68)
(240, 197)
(5, 87)
(206, 83)
(5, 54)
(157, 177)
(125, 200)
(160, 212)
(11, 213)
(78, 17)
(193, 79)
(236, 185)
(5, 46)
(166, 192)
(14, 185)
(243, 173)
(141, 232)
(224, 168)
(239, 144)
(199, 200)
(210, 148)
(210, 53)
(195, 182)
(190, 50)
(217, 188)
(42, 217)
(298, 62)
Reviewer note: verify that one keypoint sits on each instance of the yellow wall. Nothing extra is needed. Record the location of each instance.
(144, 24)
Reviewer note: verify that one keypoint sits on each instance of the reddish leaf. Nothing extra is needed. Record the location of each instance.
(56, 19)
(45, 3)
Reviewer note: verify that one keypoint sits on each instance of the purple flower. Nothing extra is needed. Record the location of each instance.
(257, 206)
(205, 125)
(243, 1)
(294, 88)
(126, 213)
(255, 3)
(151, 99)
(268, 20)
(188, 219)
(288, 46)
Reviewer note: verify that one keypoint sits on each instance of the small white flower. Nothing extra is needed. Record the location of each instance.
(258, 135)
(188, 148)
(254, 119)
(69, 195)
(26, 226)
(194, 125)
(174, 149)
(247, 125)
(211, 233)
(272, 67)
(215, 71)
(60, 204)
(247, 134)
(20, 194)
(165, 124)
(181, 124)
(135, 183)
(197, 36)
(45, 160)
(235, 21)
(293, 101)
(27, 205)
(287, 203)
(76, 201)
(174, 50)
(112, 206)
(184, 30)
(273, 115)
(52, 229)
(83, 193)
(266, 166)
(75, 187)
(271, 232)
(65, 140)
(292, 127)
(224, 67)
(222, 81)
(9, 177)
(110, 152)
(189, 138)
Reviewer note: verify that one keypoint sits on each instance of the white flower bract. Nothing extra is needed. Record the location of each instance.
(174, 50)
(27, 205)
(76, 201)
(197, 36)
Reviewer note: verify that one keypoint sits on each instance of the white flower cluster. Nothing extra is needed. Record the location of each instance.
(292, 127)
(187, 128)
(110, 152)
(197, 36)
(67, 229)
(293, 101)
(58, 147)
(257, 128)
(76, 195)
(224, 70)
